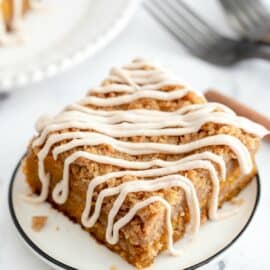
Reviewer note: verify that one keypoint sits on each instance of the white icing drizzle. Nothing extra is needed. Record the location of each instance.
(141, 185)
(130, 124)
(211, 106)
(15, 24)
(129, 89)
(132, 212)
(93, 139)
(99, 127)
(152, 185)
(119, 100)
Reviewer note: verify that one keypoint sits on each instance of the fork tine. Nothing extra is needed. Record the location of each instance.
(194, 19)
(194, 33)
(191, 22)
(163, 13)
(242, 18)
(257, 11)
(163, 19)
(251, 14)
(227, 5)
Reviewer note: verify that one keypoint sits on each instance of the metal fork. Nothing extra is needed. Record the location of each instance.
(199, 37)
(3, 95)
(250, 18)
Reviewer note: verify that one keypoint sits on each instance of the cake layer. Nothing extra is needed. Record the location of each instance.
(140, 158)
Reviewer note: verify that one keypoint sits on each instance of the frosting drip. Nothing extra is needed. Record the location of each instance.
(96, 127)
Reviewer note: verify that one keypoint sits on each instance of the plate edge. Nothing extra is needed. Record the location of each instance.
(21, 232)
(74, 58)
(57, 263)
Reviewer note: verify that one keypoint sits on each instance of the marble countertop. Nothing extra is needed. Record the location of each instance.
(248, 82)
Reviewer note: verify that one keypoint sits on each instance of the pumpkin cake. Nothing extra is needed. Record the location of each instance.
(142, 161)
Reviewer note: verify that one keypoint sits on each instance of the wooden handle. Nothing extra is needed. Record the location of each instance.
(239, 108)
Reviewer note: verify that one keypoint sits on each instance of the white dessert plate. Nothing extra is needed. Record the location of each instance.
(60, 35)
(64, 245)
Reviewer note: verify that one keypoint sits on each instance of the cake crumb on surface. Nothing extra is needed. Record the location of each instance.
(38, 222)
(237, 201)
(113, 267)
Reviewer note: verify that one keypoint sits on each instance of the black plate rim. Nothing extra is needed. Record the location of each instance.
(64, 266)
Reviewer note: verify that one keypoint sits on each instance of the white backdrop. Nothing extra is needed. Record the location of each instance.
(248, 82)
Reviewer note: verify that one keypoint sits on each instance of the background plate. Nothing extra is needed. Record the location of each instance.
(60, 240)
(60, 35)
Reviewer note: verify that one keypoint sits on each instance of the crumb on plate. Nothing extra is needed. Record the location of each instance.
(237, 201)
(38, 222)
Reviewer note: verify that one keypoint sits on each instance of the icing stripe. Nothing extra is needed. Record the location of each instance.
(131, 148)
(128, 217)
(130, 125)
(124, 99)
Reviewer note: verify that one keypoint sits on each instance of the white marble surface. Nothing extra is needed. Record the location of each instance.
(248, 82)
